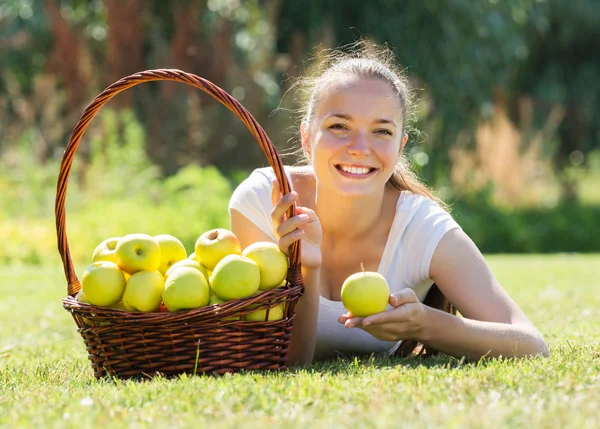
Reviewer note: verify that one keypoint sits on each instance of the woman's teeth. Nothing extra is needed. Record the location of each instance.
(354, 170)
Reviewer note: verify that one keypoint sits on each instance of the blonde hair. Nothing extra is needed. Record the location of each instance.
(366, 59)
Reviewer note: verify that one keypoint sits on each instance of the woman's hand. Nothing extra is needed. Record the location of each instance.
(403, 322)
(305, 226)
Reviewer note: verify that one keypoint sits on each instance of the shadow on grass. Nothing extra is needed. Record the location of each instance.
(350, 364)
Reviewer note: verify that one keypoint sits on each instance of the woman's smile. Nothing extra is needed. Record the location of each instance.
(354, 171)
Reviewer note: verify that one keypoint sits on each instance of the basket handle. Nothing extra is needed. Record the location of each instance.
(73, 284)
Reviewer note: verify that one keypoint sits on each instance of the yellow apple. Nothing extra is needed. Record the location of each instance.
(235, 277)
(119, 305)
(144, 291)
(271, 261)
(214, 245)
(171, 251)
(192, 256)
(138, 252)
(275, 313)
(103, 283)
(105, 251)
(187, 263)
(365, 293)
(185, 288)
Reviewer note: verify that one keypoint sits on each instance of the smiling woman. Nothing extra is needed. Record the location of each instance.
(358, 202)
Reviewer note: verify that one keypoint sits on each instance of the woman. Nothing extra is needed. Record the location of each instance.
(358, 202)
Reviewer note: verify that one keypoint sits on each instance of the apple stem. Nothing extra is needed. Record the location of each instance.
(362, 267)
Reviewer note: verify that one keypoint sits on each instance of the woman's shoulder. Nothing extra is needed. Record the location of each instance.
(299, 175)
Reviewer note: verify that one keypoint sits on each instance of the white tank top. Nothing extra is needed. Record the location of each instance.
(418, 226)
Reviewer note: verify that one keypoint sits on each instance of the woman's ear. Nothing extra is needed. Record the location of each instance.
(304, 137)
(404, 140)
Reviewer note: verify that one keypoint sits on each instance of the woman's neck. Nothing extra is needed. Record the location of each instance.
(345, 217)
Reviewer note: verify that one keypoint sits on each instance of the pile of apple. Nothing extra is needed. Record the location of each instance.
(138, 272)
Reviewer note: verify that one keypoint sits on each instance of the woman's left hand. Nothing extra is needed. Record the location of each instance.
(405, 321)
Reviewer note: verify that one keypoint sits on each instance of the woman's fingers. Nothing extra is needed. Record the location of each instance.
(291, 225)
(281, 204)
(287, 240)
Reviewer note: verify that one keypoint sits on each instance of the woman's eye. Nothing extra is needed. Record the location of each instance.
(385, 132)
(338, 127)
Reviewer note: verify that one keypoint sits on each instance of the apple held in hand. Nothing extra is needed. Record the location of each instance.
(143, 291)
(188, 263)
(185, 288)
(365, 293)
(171, 251)
(214, 245)
(138, 252)
(105, 251)
(103, 283)
(271, 261)
(235, 277)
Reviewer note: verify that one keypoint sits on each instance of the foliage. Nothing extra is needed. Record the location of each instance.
(46, 378)
(118, 192)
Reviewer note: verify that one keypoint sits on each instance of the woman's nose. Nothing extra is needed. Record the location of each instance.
(359, 146)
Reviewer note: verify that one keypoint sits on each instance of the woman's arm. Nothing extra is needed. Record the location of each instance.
(303, 339)
(493, 324)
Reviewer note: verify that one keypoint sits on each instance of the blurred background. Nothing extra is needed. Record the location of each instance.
(507, 119)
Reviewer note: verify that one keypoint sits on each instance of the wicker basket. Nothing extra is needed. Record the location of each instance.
(211, 339)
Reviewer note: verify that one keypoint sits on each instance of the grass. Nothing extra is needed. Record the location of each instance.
(46, 380)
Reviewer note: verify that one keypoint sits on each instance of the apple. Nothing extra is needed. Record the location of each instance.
(80, 297)
(171, 251)
(144, 291)
(187, 263)
(105, 251)
(235, 277)
(214, 245)
(119, 305)
(192, 256)
(185, 288)
(103, 283)
(272, 263)
(365, 293)
(138, 252)
(214, 299)
(275, 313)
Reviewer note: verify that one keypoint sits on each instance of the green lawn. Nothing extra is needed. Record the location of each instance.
(46, 380)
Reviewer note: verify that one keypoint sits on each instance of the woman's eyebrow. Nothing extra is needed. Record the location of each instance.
(349, 118)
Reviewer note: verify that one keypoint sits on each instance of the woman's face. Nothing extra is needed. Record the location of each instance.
(355, 136)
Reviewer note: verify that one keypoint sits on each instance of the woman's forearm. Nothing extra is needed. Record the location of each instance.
(474, 339)
(304, 334)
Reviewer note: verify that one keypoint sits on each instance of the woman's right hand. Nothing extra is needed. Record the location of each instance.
(305, 226)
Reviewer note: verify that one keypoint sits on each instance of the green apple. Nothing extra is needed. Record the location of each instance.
(214, 245)
(235, 277)
(171, 251)
(365, 293)
(275, 313)
(138, 252)
(272, 263)
(144, 291)
(187, 263)
(80, 297)
(105, 251)
(185, 288)
(214, 299)
(103, 283)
